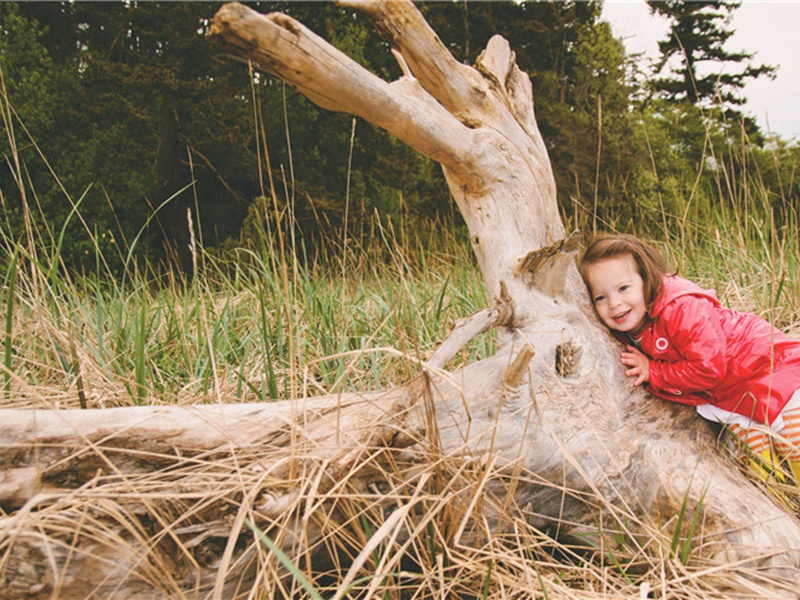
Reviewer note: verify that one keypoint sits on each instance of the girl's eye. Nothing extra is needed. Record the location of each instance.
(599, 298)
(623, 288)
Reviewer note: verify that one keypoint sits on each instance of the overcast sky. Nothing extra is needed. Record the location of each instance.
(767, 27)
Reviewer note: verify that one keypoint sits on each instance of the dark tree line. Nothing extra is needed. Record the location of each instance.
(143, 119)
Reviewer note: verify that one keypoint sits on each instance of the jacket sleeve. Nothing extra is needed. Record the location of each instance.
(694, 328)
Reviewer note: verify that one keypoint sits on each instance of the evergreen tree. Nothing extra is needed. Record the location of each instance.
(698, 32)
(27, 104)
(144, 107)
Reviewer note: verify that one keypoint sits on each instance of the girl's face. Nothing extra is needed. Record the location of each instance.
(617, 293)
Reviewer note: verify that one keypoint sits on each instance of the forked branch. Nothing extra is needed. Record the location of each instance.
(329, 78)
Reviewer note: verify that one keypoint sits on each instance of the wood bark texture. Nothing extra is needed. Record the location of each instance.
(549, 423)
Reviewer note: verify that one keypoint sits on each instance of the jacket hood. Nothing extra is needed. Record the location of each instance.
(677, 287)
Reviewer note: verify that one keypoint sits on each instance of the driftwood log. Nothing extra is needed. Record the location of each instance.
(570, 444)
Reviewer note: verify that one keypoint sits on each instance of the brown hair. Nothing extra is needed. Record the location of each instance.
(651, 264)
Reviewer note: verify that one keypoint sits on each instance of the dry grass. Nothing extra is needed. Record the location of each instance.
(360, 521)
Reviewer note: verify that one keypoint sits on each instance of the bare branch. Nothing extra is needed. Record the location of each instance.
(286, 48)
(456, 86)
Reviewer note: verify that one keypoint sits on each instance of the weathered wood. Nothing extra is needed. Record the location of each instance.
(172, 487)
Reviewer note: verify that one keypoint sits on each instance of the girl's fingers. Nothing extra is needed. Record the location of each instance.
(638, 363)
(629, 359)
(638, 373)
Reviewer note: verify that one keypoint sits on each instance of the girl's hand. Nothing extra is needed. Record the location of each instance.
(639, 364)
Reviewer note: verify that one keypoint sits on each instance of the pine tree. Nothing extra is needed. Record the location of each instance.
(698, 32)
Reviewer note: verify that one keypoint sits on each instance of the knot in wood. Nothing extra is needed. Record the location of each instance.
(568, 355)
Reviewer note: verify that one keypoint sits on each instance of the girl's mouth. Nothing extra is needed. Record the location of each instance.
(621, 316)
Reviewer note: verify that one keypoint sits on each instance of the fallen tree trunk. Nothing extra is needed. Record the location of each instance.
(103, 503)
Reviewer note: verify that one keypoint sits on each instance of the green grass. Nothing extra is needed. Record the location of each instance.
(269, 320)
(236, 332)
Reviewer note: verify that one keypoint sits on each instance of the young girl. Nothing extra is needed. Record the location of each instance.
(734, 367)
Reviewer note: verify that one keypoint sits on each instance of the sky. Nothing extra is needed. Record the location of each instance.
(767, 27)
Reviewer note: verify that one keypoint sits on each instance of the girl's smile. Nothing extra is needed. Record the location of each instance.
(621, 318)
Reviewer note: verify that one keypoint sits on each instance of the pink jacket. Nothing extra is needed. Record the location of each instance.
(704, 353)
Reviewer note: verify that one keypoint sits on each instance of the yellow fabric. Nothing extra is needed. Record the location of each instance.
(755, 446)
(794, 466)
(766, 466)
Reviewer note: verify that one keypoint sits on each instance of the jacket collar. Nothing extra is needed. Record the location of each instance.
(677, 287)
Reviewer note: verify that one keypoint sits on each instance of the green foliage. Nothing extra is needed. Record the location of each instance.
(143, 109)
(24, 63)
(26, 101)
(683, 536)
